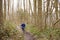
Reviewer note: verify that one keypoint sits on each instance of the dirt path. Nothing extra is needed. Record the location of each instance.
(28, 36)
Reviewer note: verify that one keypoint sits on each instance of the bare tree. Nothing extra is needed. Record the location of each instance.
(40, 13)
(56, 8)
(4, 9)
(34, 12)
(1, 14)
(1, 18)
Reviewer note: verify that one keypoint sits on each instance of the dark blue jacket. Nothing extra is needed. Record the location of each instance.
(23, 25)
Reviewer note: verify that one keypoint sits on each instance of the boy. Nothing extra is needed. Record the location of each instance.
(23, 27)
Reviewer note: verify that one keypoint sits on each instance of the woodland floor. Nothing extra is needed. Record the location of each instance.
(27, 35)
(14, 32)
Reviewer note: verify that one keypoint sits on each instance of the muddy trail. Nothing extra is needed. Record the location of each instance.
(28, 36)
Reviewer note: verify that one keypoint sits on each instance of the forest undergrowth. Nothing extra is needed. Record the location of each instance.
(9, 31)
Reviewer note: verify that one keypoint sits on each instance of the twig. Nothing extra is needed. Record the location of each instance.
(57, 21)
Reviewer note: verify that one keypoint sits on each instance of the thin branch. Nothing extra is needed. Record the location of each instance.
(56, 21)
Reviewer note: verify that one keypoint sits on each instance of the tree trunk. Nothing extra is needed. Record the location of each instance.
(4, 9)
(30, 12)
(34, 12)
(1, 14)
(56, 8)
(46, 15)
(40, 13)
(1, 19)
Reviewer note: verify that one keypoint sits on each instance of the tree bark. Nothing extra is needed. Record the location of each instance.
(1, 19)
(46, 15)
(1, 14)
(4, 9)
(56, 8)
(34, 12)
(40, 13)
